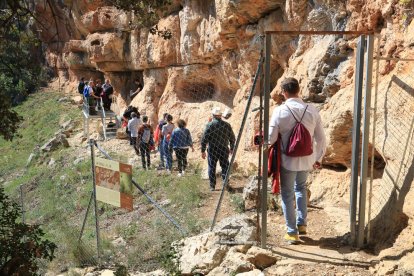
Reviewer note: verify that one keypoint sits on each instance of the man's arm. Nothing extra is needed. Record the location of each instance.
(320, 140)
(205, 138)
(274, 127)
(232, 138)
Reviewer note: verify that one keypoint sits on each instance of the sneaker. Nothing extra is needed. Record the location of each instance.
(302, 229)
(179, 174)
(183, 172)
(291, 238)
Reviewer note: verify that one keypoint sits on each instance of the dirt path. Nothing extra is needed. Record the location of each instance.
(323, 251)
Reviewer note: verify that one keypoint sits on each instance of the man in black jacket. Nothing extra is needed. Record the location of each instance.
(218, 135)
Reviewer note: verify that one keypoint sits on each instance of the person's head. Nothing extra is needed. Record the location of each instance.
(290, 88)
(133, 115)
(91, 83)
(107, 81)
(145, 119)
(98, 82)
(86, 83)
(169, 118)
(164, 116)
(181, 123)
(82, 79)
(216, 112)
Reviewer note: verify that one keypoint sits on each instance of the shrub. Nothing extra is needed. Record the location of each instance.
(22, 245)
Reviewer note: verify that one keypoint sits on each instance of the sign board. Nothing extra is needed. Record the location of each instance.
(113, 182)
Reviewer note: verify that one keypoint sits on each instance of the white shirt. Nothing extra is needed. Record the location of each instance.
(283, 122)
(133, 126)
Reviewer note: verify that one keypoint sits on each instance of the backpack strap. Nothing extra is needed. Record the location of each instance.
(294, 114)
(303, 113)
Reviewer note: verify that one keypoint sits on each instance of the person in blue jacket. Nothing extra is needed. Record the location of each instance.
(181, 142)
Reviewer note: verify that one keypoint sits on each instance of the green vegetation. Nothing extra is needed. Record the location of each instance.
(237, 202)
(147, 14)
(21, 244)
(21, 72)
(405, 2)
(56, 196)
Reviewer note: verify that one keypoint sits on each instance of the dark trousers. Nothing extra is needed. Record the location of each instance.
(106, 101)
(181, 159)
(222, 156)
(145, 152)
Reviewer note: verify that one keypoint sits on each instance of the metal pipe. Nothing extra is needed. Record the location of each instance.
(320, 32)
(356, 134)
(184, 232)
(86, 216)
(236, 146)
(259, 167)
(396, 59)
(268, 45)
(98, 238)
(365, 142)
(374, 125)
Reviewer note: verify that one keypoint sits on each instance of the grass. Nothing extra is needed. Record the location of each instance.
(57, 197)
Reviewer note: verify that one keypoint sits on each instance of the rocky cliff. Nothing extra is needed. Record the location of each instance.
(213, 54)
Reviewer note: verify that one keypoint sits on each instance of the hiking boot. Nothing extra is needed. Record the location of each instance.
(302, 229)
(291, 238)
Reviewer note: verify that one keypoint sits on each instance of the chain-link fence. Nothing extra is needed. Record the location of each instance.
(394, 156)
(178, 160)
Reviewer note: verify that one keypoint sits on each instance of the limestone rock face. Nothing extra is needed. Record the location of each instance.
(261, 257)
(204, 253)
(250, 195)
(211, 60)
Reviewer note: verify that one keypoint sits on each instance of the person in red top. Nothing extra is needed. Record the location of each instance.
(145, 141)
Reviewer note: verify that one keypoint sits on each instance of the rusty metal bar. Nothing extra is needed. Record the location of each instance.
(395, 59)
(320, 32)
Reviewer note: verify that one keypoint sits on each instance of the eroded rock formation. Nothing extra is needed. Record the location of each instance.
(214, 52)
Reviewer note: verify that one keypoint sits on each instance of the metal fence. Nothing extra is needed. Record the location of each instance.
(212, 116)
(393, 163)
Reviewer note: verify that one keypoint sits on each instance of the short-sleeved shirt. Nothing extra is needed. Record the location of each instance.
(133, 126)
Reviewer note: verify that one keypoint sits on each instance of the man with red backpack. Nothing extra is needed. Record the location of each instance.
(303, 145)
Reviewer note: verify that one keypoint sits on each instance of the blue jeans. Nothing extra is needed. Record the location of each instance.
(222, 156)
(293, 184)
(161, 151)
(167, 155)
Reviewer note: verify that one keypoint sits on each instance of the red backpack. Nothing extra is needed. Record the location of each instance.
(300, 140)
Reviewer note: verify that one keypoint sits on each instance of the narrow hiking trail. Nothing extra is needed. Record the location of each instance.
(323, 251)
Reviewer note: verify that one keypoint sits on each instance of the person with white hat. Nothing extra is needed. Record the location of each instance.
(220, 139)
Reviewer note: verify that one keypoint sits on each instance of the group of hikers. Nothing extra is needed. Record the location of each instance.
(93, 91)
(296, 137)
(169, 138)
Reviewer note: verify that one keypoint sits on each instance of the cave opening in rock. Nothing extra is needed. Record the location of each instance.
(124, 82)
(196, 92)
(95, 42)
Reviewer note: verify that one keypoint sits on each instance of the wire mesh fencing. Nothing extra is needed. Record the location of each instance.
(394, 154)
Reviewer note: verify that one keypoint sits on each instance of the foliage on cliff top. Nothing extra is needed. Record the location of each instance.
(147, 13)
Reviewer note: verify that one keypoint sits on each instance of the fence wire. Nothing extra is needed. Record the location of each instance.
(395, 147)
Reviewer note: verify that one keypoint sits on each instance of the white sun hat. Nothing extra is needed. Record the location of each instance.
(216, 111)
